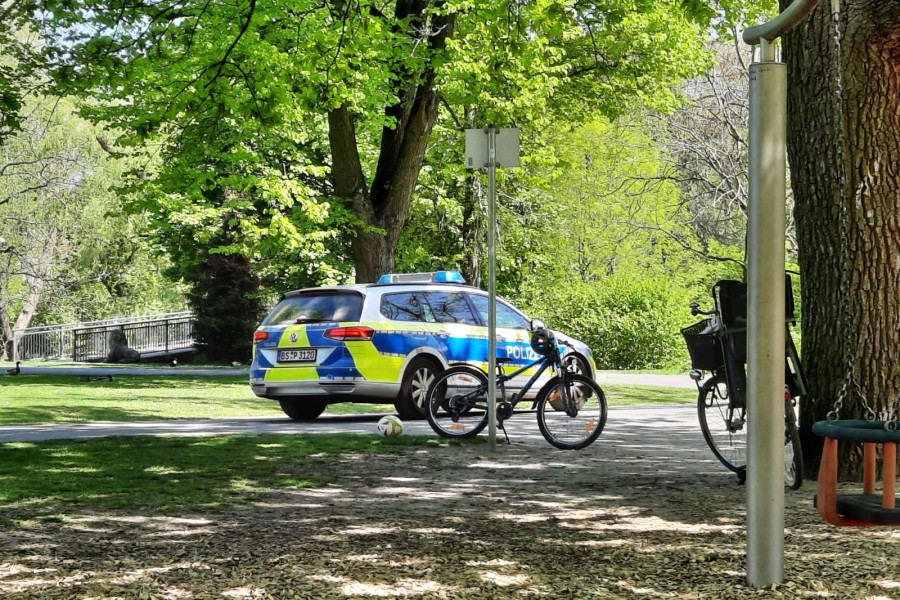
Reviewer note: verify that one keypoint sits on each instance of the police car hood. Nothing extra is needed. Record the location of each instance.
(576, 344)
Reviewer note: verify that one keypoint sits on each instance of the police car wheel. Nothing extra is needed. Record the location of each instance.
(576, 364)
(419, 376)
(303, 410)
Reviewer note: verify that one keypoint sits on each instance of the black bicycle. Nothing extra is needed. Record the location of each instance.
(718, 345)
(571, 407)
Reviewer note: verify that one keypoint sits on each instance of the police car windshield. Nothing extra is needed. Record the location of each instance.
(316, 308)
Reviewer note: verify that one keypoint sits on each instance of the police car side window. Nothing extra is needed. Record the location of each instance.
(450, 307)
(506, 316)
(402, 307)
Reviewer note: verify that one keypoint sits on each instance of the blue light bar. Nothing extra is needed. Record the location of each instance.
(432, 277)
(448, 277)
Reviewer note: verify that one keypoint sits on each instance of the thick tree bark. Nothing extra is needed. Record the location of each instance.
(844, 148)
(383, 208)
(473, 230)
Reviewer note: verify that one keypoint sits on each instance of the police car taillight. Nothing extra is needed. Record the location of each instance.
(260, 336)
(349, 334)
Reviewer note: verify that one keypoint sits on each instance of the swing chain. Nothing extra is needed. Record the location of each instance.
(834, 413)
(893, 421)
(870, 415)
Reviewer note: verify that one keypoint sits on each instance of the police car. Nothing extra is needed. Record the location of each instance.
(385, 342)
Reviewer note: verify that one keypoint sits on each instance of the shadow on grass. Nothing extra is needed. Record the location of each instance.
(344, 516)
(164, 473)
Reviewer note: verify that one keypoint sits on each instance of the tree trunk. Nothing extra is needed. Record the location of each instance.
(6, 333)
(37, 280)
(383, 208)
(843, 144)
(473, 229)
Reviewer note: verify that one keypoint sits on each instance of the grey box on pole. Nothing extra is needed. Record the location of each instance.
(507, 150)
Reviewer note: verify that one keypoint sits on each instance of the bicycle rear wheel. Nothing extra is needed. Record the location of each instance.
(457, 402)
(577, 428)
(724, 427)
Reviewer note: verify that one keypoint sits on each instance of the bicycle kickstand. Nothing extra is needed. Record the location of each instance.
(506, 435)
(503, 429)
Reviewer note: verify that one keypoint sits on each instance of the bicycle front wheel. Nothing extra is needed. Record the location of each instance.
(585, 418)
(457, 402)
(724, 426)
(793, 455)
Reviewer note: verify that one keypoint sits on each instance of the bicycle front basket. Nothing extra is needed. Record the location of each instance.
(705, 348)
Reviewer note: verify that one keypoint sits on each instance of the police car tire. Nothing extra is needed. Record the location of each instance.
(405, 404)
(580, 364)
(303, 410)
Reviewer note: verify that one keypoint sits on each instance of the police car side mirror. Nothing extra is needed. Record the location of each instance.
(537, 324)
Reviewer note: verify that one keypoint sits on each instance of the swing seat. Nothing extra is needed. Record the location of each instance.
(868, 508)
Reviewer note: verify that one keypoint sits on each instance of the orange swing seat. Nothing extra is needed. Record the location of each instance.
(868, 508)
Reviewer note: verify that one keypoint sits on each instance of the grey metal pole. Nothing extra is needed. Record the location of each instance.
(492, 289)
(765, 320)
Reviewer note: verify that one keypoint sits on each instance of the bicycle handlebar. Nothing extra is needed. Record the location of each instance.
(695, 310)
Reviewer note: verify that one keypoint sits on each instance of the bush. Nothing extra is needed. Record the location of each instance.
(225, 300)
(629, 324)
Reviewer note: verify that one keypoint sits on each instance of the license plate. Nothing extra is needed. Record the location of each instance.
(306, 355)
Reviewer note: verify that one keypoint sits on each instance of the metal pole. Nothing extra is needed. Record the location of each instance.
(492, 290)
(765, 320)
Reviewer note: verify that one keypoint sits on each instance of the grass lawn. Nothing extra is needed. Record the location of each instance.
(633, 395)
(65, 398)
(168, 473)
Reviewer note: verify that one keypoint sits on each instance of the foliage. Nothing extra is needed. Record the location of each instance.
(629, 323)
(67, 251)
(225, 298)
(20, 64)
(245, 96)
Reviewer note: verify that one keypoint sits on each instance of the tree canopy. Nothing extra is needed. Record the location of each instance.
(303, 126)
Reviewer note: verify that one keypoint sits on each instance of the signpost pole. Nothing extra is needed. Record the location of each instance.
(490, 148)
(492, 288)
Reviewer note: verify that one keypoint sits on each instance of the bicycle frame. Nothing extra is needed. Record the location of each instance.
(545, 361)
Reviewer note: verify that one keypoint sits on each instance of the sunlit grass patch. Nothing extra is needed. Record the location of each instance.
(634, 395)
(164, 473)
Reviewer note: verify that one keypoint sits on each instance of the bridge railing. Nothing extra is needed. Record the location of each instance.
(80, 342)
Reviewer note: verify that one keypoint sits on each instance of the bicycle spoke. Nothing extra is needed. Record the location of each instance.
(573, 417)
(724, 428)
(457, 403)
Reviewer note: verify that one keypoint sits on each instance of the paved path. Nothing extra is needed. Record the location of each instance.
(638, 426)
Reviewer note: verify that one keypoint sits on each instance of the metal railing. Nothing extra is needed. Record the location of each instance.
(89, 341)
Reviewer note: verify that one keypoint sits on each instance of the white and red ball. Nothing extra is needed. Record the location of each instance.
(389, 427)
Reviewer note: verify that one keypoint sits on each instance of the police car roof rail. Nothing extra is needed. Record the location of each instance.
(430, 277)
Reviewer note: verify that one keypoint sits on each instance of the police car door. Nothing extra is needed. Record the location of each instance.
(454, 327)
(513, 336)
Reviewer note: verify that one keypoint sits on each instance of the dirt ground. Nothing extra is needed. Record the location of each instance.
(613, 521)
